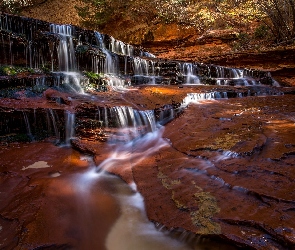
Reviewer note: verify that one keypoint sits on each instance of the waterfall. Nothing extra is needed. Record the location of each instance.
(28, 126)
(140, 66)
(196, 97)
(69, 81)
(111, 60)
(54, 124)
(67, 77)
(100, 53)
(187, 69)
(119, 47)
(126, 122)
(69, 126)
(66, 51)
(111, 64)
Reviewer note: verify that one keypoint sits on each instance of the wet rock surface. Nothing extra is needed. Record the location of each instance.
(224, 171)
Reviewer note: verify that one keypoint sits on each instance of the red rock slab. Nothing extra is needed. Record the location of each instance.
(247, 148)
(44, 207)
(241, 125)
(226, 171)
(182, 193)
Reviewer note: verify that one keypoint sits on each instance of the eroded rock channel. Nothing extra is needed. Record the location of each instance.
(204, 153)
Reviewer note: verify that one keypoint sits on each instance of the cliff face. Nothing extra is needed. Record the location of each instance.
(172, 41)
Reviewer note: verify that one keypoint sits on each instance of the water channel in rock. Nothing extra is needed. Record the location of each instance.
(104, 146)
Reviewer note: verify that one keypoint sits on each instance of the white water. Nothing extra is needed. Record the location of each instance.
(66, 51)
(127, 154)
(132, 230)
(69, 80)
(197, 97)
(121, 48)
(67, 74)
(188, 71)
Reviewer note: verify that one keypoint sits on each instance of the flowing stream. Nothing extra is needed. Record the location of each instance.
(132, 223)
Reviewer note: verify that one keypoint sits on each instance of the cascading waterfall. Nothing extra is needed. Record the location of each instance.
(131, 123)
(232, 76)
(189, 72)
(54, 124)
(70, 127)
(28, 125)
(140, 66)
(111, 63)
(120, 60)
(67, 59)
(168, 112)
(66, 51)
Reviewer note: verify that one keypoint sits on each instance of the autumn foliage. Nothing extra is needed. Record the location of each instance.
(276, 17)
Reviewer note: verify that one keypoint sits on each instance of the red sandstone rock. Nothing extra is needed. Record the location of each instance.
(225, 172)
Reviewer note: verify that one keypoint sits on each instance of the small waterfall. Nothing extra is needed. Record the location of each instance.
(129, 50)
(111, 65)
(140, 66)
(121, 48)
(233, 76)
(67, 77)
(196, 97)
(188, 70)
(167, 113)
(66, 51)
(69, 126)
(69, 81)
(28, 125)
(143, 71)
(126, 123)
(54, 124)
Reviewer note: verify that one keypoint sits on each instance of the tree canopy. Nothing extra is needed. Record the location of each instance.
(277, 15)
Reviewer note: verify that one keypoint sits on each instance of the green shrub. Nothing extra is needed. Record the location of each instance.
(261, 32)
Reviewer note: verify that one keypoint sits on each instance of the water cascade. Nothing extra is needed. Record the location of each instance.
(121, 48)
(67, 75)
(66, 51)
(70, 127)
(190, 72)
(58, 99)
(118, 123)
